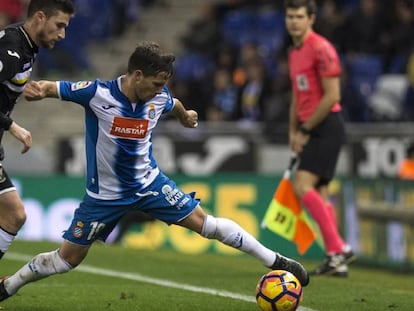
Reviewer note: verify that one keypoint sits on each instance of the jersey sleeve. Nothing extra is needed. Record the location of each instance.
(9, 61)
(169, 104)
(328, 64)
(78, 92)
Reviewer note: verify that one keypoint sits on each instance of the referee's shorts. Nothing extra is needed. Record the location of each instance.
(320, 154)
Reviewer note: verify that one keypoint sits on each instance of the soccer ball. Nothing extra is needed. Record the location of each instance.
(278, 290)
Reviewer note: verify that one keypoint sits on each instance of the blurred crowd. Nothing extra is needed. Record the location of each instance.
(94, 21)
(234, 60)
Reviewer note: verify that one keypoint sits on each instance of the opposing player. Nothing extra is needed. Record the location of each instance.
(45, 25)
(316, 129)
(122, 174)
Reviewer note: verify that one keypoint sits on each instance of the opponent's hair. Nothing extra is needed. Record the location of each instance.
(150, 59)
(50, 7)
(296, 4)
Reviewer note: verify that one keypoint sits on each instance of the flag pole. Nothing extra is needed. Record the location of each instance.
(286, 175)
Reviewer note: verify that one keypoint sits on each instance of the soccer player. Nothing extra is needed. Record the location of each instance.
(122, 174)
(45, 25)
(316, 129)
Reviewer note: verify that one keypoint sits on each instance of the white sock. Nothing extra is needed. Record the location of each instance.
(347, 248)
(41, 266)
(6, 239)
(231, 234)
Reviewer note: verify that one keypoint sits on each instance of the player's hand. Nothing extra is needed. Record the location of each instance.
(33, 91)
(21, 134)
(190, 119)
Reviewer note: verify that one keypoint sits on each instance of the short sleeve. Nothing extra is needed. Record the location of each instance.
(328, 64)
(80, 92)
(9, 63)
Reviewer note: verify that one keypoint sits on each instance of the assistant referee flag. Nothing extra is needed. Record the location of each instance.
(285, 216)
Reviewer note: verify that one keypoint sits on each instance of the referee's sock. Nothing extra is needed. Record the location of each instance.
(316, 207)
(6, 238)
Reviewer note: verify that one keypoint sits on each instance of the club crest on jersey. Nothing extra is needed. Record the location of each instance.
(77, 231)
(80, 85)
(151, 111)
(129, 128)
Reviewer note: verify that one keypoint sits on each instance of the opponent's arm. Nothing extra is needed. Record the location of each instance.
(36, 90)
(188, 118)
(32, 91)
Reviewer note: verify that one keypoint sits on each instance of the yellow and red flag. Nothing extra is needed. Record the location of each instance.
(285, 215)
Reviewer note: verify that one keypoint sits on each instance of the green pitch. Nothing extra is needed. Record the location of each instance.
(114, 278)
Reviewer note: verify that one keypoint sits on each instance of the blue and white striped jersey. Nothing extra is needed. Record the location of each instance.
(118, 136)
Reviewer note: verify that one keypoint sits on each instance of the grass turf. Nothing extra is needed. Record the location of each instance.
(135, 279)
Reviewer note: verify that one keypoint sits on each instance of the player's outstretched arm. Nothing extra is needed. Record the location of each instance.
(36, 90)
(22, 135)
(188, 118)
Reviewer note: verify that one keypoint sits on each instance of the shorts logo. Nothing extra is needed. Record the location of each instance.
(129, 128)
(1, 66)
(174, 196)
(80, 85)
(77, 231)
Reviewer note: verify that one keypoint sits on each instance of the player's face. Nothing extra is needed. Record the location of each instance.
(148, 87)
(52, 29)
(298, 23)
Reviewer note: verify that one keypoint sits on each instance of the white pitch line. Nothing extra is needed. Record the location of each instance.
(150, 280)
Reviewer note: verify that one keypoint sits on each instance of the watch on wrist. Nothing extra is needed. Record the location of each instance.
(304, 130)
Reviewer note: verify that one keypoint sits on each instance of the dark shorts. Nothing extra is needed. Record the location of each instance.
(320, 154)
(5, 182)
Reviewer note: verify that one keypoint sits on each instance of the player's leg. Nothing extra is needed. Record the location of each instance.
(12, 213)
(324, 192)
(167, 202)
(304, 183)
(232, 234)
(85, 228)
(59, 261)
(316, 169)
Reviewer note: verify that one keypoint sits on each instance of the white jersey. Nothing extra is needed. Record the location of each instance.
(118, 136)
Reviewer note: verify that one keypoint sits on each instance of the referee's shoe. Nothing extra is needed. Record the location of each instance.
(335, 264)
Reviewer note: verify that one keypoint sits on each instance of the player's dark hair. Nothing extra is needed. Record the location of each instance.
(150, 59)
(296, 4)
(50, 7)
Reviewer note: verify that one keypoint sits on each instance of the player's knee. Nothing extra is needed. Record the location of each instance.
(14, 220)
(20, 218)
(300, 188)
